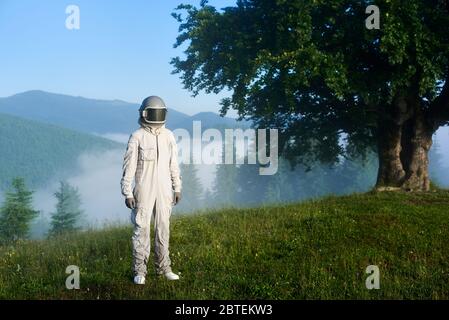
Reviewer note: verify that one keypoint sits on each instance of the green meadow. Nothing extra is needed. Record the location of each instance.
(318, 249)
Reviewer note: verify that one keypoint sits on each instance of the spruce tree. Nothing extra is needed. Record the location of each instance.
(68, 212)
(17, 212)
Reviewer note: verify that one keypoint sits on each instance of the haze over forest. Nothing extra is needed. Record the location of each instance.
(82, 141)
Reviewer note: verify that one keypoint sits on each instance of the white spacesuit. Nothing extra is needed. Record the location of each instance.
(151, 163)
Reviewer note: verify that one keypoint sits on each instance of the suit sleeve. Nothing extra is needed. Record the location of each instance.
(129, 167)
(175, 172)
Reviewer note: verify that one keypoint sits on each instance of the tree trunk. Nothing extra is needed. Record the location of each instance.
(404, 141)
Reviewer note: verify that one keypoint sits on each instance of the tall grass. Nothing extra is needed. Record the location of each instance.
(318, 249)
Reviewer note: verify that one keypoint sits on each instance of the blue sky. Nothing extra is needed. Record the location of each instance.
(121, 51)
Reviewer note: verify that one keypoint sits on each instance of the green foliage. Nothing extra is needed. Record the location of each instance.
(312, 69)
(313, 250)
(16, 213)
(38, 152)
(68, 212)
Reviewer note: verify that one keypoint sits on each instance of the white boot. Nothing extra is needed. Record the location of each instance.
(139, 280)
(171, 276)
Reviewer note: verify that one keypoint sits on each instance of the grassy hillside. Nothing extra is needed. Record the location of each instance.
(38, 151)
(313, 250)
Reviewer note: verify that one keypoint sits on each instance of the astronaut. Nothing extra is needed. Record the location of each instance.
(151, 162)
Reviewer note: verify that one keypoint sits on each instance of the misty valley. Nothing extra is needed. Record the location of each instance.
(89, 158)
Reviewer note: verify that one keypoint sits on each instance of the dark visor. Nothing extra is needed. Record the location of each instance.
(155, 114)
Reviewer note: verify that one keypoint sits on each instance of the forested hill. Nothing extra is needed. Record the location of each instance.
(38, 151)
(98, 116)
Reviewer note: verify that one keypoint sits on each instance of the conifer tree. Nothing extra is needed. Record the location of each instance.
(17, 212)
(68, 212)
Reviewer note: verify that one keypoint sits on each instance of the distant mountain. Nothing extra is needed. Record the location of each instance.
(39, 152)
(97, 116)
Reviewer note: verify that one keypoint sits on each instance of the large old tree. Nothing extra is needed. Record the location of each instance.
(331, 86)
